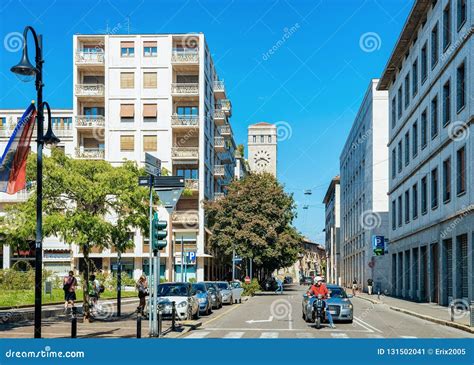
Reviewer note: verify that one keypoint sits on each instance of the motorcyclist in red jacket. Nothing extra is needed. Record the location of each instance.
(319, 288)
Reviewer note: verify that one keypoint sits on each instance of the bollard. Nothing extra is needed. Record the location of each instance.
(74, 323)
(451, 310)
(173, 316)
(471, 312)
(378, 294)
(160, 324)
(139, 326)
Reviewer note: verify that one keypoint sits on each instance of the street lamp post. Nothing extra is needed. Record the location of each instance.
(26, 71)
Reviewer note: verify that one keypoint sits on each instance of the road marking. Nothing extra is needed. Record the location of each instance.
(408, 337)
(260, 320)
(269, 335)
(304, 335)
(339, 335)
(222, 314)
(234, 335)
(363, 323)
(198, 334)
(282, 329)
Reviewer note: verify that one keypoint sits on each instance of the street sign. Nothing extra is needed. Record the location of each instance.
(143, 181)
(164, 182)
(191, 256)
(152, 164)
(378, 245)
(237, 259)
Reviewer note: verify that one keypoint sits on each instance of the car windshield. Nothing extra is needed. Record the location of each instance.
(223, 285)
(199, 288)
(236, 284)
(172, 290)
(210, 286)
(337, 293)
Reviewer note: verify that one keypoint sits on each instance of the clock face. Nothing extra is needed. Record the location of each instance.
(261, 159)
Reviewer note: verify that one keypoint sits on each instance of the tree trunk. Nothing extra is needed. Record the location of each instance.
(85, 285)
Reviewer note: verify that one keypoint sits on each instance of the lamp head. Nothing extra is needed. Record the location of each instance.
(24, 69)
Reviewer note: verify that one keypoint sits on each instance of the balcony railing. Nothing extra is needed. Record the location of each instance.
(94, 121)
(62, 131)
(225, 130)
(219, 170)
(185, 88)
(188, 218)
(90, 90)
(184, 120)
(218, 86)
(189, 56)
(89, 58)
(219, 116)
(90, 153)
(225, 105)
(185, 152)
(191, 184)
(219, 143)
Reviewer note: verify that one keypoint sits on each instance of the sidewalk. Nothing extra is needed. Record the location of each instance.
(427, 311)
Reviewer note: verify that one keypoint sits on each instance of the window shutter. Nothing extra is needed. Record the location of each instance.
(127, 143)
(149, 143)
(149, 80)
(127, 80)
(127, 44)
(149, 111)
(149, 44)
(127, 110)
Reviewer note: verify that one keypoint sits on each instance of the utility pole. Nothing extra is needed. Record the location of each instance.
(152, 312)
(182, 259)
(233, 264)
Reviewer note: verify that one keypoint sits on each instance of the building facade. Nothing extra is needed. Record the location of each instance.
(332, 229)
(364, 186)
(262, 148)
(157, 94)
(429, 78)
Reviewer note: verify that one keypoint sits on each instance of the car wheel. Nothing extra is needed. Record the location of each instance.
(231, 301)
(209, 309)
(189, 313)
(196, 315)
(304, 317)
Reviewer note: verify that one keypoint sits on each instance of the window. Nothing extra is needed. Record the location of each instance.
(93, 111)
(270, 139)
(447, 180)
(149, 80)
(400, 159)
(400, 211)
(414, 79)
(127, 143)
(254, 139)
(400, 95)
(262, 139)
(150, 113)
(407, 90)
(461, 87)
(424, 127)
(434, 117)
(394, 214)
(407, 148)
(461, 170)
(187, 110)
(407, 206)
(127, 113)
(394, 163)
(394, 111)
(447, 26)
(434, 188)
(414, 198)
(150, 143)
(127, 49)
(461, 13)
(434, 46)
(127, 80)
(188, 173)
(424, 63)
(414, 139)
(149, 49)
(424, 196)
(446, 103)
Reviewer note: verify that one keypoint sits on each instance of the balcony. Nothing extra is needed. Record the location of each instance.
(90, 153)
(185, 153)
(219, 144)
(226, 106)
(187, 218)
(184, 89)
(185, 56)
(84, 58)
(219, 117)
(218, 87)
(191, 184)
(219, 171)
(90, 121)
(184, 121)
(227, 157)
(62, 131)
(90, 90)
(225, 130)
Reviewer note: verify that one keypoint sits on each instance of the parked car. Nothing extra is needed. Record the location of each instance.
(306, 280)
(204, 298)
(338, 304)
(184, 296)
(237, 291)
(226, 291)
(216, 296)
(270, 284)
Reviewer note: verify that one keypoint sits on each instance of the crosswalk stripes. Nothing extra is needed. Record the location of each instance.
(304, 335)
(408, 337)
(269, 335)
(198, 334)
(339, 335)
(234, 335)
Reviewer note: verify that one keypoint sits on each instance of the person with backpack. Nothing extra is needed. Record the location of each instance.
(142, 287)
(94, 290)
(69, 287)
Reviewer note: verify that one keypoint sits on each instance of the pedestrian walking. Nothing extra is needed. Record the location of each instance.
(354, 287)
(142, 287)
(94, 290)
(370, 285)
(69, 287)
(279, 289)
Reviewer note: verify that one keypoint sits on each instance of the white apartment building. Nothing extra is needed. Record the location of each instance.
(156, 93)
(429, 78)
(364, 186)
(332, 202)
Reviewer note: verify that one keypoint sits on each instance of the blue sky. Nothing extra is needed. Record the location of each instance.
(311, 84)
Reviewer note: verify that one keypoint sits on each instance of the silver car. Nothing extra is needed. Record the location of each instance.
(216, 296)
(338, 303)
(226, 292)
(184, 296)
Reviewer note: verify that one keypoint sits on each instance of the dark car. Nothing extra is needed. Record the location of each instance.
(288, 280)
(306, 280)
(270, 284)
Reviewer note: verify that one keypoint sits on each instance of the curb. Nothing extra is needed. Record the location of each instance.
(458, 326)
(373, 301)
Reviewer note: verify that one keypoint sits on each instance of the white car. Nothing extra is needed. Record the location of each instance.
(184, 296)
(237, 291)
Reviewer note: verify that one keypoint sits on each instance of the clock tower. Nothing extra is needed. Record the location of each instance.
(262, 147)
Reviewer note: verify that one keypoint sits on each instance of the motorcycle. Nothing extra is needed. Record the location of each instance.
(318, 311)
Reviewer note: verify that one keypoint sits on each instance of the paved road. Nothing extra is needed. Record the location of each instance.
(257, 319)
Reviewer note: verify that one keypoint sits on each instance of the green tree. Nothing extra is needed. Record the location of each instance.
(255, 218)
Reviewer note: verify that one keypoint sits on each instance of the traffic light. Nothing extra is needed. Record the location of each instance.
(159, 233)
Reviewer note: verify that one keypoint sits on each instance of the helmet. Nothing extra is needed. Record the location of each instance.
(318, 278)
